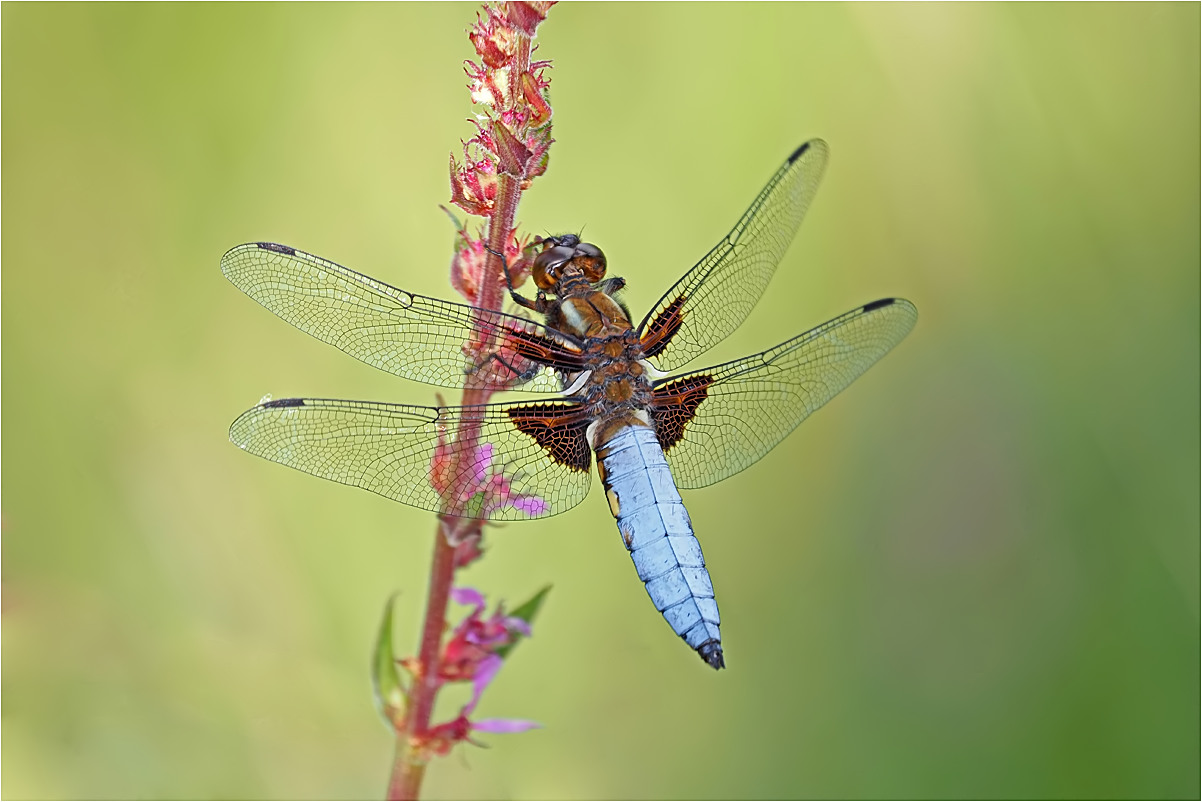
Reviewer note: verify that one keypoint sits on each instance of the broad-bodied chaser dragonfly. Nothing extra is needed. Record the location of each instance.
(652, 432)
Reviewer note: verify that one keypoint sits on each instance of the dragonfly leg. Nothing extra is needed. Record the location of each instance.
(539, 304)
(514, 375)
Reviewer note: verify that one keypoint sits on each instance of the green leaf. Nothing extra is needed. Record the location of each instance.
(386, 683)
(474, 506)
(454, 219)
(526, 612)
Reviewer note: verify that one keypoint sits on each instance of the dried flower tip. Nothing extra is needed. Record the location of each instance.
(493, 39)
(468, 551)
(474, 186)
(532, 91)
(471, 263)
(527, 16)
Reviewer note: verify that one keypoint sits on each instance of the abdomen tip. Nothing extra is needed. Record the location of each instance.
(711, 652)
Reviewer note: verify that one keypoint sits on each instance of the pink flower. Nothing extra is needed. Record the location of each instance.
(442, 738)
(484, 676)
(495, 37)
(486, 490)
(474, 185)
(468, 550)
(471, 654)
(470, 263)
(497, 491)
(492, 38)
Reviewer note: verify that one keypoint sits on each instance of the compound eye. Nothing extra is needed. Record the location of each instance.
(591, 261)
(547, 265)
(554, 259)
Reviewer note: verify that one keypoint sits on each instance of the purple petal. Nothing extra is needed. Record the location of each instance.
(531, 505)
(485, 671)
(468, 596)
(483, 458)
(505, 725)
(517, 625)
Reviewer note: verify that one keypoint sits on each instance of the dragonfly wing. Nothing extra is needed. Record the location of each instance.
(531, 460)
(717, 294)
(408, 335)
(715, 422)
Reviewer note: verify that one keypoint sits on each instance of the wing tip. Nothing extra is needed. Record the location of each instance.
(277, 403)
(242, 427)
(805, 147)
(879, 304)
(275, 247)
(882, 303)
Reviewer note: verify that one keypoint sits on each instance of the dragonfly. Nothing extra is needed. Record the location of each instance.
(611, 388)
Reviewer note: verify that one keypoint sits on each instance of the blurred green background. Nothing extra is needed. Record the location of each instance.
(975, 574)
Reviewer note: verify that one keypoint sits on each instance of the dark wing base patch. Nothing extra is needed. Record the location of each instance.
(544, 351)
(674, 405)
(560, 429)
(662, 328)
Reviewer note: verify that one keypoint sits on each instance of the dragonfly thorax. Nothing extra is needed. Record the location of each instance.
(618, 382)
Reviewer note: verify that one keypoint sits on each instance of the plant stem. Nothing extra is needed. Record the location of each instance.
(409, 764)
(407, 771)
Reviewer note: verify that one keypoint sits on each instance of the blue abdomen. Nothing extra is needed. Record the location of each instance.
(656, 529)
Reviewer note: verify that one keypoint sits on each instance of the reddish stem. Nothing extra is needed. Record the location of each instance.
(409, 763)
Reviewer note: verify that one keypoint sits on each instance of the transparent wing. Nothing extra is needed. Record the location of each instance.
(391, 449)
(717, 294)
(409, 335)
(715, 422)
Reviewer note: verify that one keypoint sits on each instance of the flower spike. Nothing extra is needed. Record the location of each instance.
(509, 148)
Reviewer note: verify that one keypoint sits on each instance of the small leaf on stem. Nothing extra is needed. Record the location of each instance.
(386, 680)
(513, 155)
(525, 612)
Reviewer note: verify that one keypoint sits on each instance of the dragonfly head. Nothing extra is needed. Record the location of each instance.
(567, 257)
